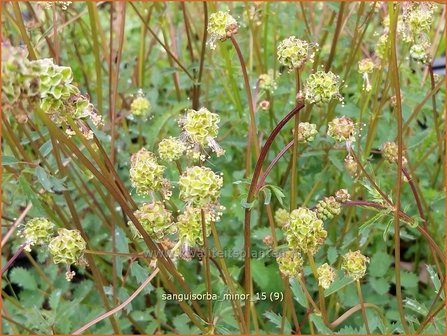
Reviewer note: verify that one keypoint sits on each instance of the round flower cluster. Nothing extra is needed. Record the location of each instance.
(67, 247)
(390, 152)
(37, 231)
(342, 129)
(201, 128)
(322, 87)
(42, 83)
(290, 263)
(282, 217)
(200, 186)
(327, 208)
(293, 52)
(306, 132)
(304, 231)
(326, 275)
(146, 174)
(354, 264)
(48, 4)
(420, 52)
(140, 106)
(155, 219)
(342, 196)
(171, 149)
(267, 82)
(221, 26)
(351, 165)
(189, 226)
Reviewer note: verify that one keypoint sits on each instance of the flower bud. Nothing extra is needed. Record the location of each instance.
(342, 196)
(282, 217)
(306, 132)
(351, 166)
(328, 208)
(264, 105)
(268, 240)
(267, 82)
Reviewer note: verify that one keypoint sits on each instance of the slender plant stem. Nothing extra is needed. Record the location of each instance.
(13, 258)
(206, 266)
(16, 223)
(119, 307)
(362, 305)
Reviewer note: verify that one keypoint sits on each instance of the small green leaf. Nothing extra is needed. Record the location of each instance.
(341, 280)
(23, 278)
(46, 148)
(44, 179)
(380, 285)
(380, 263)
(318, 321)
(435, 279)
(332, 254)
(416, 306)
(267, 196)
(9, 160)
(276, 319)
(55, 298)
(298, 292)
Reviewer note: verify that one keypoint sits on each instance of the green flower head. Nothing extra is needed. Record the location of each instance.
(189, 226)
(382, 47)
(390, 152)
(267, 82)
(306, 132)
(37, 231)
(221, 25)
(155, 219)
(341, 129)
(146, 174)
(282, 217)
(171, 149)
(290, 263)
(321, 87)
(200, 186)
(420, 52)
(293, 52)
(67, 247)
(200, 126)
(327, 208)
(326, 275)
(354, 264)
(140, 106)
(305, 231)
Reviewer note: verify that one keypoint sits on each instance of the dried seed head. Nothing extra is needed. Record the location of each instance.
(171, 149)
(342, 129)
(221, 25)
(342, 195)
(326, 275)
(354, 264)
(146, 174)
(282, 217)
(321, 87)
(293, 52)
(304, 231)
(37, 231)
(200, 186)
(67, 247)
(327, 208)
(290, 263)
(155, 219)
